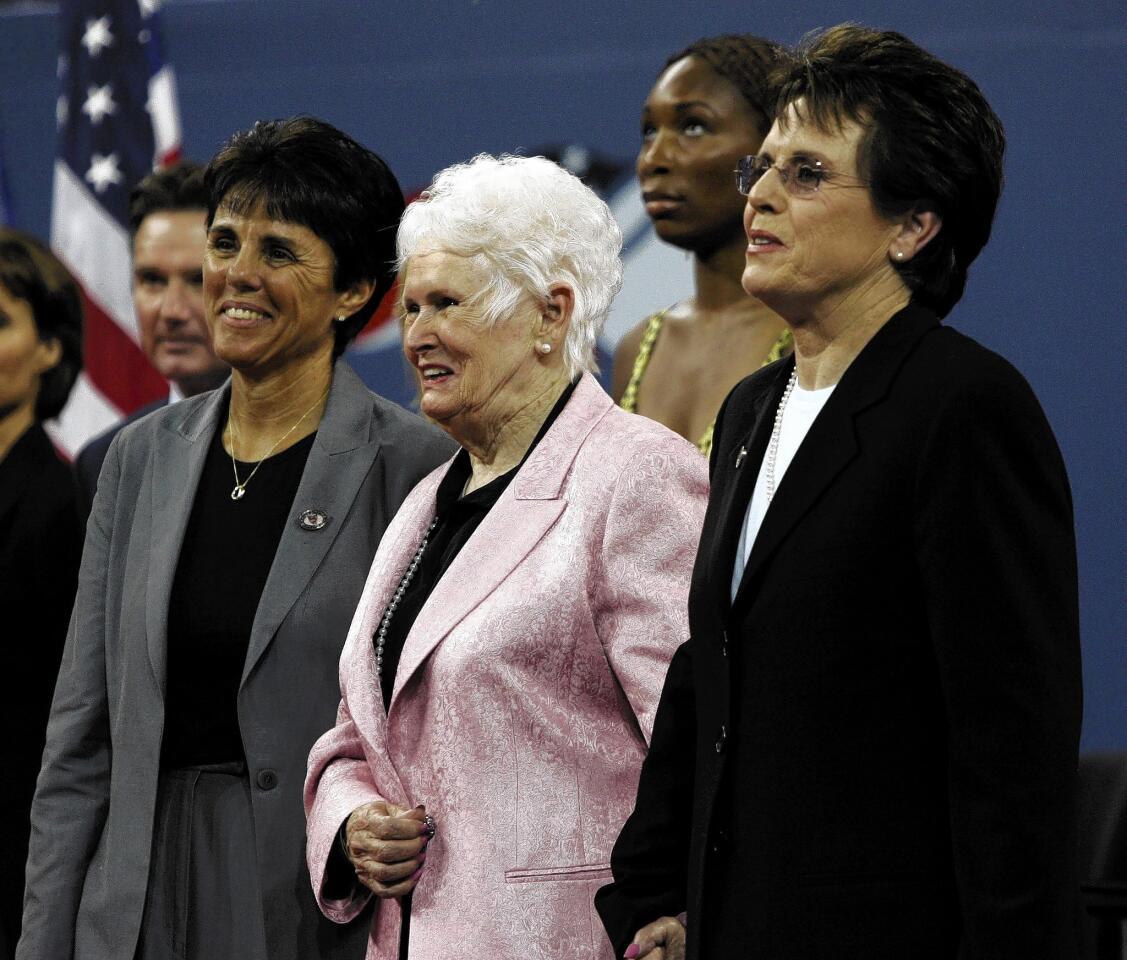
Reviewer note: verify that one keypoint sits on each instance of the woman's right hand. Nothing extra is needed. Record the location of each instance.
(387, 846)
(663, 939)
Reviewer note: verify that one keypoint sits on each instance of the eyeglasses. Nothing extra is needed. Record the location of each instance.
(801, 176)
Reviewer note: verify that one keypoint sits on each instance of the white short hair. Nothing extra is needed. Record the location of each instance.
(532, 225)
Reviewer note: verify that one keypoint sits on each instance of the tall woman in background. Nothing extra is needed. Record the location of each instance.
(711, 105)
(225, 553)
(40, 357)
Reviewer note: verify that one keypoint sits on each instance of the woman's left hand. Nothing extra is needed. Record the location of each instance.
(664, 939)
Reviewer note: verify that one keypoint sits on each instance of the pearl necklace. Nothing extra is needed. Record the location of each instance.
(776, 432)
(240, 488)
(404, 583)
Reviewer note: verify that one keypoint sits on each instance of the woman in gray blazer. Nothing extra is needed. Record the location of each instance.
(226, 551)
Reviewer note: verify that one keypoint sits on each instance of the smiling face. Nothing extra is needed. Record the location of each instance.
(695, 127)
(168, 251)
(473, 376)
(268, 291)
(24, 358)
(807, 255)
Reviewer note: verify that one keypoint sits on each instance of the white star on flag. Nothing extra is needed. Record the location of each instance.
(99, 103)
(148, 7)
(97, 36)
(103, 171)
(62, 111)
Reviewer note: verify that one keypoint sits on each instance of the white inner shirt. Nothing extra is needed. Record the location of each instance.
(801, 410)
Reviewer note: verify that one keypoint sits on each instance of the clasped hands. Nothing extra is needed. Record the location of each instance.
(387, 846)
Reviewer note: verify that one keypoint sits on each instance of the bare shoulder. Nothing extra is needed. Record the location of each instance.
(624, 355)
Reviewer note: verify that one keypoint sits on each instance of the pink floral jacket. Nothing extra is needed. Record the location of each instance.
(526, 691)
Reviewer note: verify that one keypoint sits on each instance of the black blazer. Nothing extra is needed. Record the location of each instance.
(872, 752)
(40, 547)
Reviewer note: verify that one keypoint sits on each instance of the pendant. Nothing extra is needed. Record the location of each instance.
(238, 491)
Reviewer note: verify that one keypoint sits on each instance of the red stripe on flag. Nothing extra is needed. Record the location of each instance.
(116, 365)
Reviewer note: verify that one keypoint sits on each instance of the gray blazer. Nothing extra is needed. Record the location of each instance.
(93, 814)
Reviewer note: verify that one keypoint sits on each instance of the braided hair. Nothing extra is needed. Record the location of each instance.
(748, 62)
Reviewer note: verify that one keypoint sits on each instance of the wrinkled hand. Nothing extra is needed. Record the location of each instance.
(387, 846)
(663, 939)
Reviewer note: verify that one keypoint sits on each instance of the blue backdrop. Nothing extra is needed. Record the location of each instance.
(431, 83)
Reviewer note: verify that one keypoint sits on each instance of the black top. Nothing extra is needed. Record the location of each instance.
(40, 547)
(228, 549)
(458, 517)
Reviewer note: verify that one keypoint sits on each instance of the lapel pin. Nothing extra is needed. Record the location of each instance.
(740, 457)
(312, 519)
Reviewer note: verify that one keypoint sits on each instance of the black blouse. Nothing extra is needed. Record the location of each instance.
(229, 547)
(458, 517)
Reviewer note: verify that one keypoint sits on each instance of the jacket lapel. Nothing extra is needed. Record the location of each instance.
(525, 512)
(832, 441)
(339, 460)
(734, 480)
(178, 458)
(395, 551)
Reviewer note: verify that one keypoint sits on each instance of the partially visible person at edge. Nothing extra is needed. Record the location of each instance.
(711, 106)
(868, 748)
(224, 556)
(41, 543)
(502, 672)
(167, 210)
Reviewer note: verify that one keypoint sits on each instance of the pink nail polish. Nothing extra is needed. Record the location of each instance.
(422, 857)
(418, 873)
(632, 951)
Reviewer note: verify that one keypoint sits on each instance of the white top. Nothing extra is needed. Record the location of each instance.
(801, 410)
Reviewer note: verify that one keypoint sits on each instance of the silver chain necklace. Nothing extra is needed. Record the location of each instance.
(240, 487)
(776, 432)
(404, 583)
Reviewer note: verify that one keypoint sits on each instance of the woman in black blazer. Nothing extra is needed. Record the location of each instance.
(868, 747)
(41, 538)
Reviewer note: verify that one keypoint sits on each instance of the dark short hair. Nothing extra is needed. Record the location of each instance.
(748, 62)
(30, 272)
(932, 142)
(178, 187)
(308, 172)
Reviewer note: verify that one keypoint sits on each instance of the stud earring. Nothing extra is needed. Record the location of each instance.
(545, 348)
(899, 254)
(341, 319)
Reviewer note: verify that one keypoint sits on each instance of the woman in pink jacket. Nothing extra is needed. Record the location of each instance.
(502, 672)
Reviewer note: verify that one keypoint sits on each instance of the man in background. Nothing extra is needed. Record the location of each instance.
(167, 210)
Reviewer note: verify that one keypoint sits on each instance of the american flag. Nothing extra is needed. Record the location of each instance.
(118, 119)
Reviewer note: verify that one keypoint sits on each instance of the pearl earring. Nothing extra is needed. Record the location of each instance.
(899, 254)
(545, 348)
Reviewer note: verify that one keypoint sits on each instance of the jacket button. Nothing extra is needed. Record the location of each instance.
(724, 644)
(266, 779)
(721, 739)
